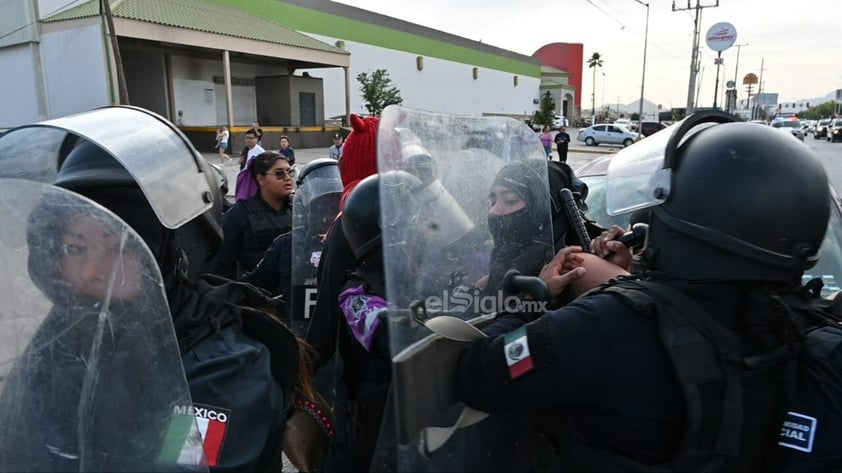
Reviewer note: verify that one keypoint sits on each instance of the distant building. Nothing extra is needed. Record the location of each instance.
(567, 57)
(289, 63)
(557, 82)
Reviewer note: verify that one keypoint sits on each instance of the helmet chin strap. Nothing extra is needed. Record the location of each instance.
(179, 274)
(182, 265)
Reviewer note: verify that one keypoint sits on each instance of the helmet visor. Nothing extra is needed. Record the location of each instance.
(640, 176)
(636, 175)
(159, 158)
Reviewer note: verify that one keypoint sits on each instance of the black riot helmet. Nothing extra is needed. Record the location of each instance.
(746, 203)
(322, 167)
(361, 217)
(184, 249)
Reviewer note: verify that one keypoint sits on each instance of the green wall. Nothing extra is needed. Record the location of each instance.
(316, 22)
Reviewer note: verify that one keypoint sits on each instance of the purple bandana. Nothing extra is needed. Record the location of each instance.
(361, 311)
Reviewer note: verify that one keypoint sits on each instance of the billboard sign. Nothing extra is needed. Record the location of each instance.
(721, 36)
(766, 99)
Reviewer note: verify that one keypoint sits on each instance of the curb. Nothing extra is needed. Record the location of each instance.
(594, 150)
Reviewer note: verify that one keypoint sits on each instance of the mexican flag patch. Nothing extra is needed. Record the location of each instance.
(196, 433)
(516, 348)
(183, 442)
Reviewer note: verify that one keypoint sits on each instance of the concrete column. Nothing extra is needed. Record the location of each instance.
(347, 95)
(229, 97)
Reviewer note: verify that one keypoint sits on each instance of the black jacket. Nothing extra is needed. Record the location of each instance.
(273, 272)
(249, 228)
(603, 381)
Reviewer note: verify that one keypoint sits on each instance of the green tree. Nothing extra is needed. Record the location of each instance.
(635, 116)
(378, 91)
(546, 114)
(820, 111)
(594, 62)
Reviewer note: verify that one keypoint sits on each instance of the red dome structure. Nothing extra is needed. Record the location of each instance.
(568, 57)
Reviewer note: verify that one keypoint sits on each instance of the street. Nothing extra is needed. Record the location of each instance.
(830, 154)
(577, 155)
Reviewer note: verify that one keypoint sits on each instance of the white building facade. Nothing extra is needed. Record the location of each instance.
(285, 63)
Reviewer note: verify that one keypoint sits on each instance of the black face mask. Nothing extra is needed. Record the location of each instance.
(514, 231)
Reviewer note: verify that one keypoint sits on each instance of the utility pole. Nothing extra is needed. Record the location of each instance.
(603, 93)
(737, 81)
(105, 8)
(699, 87)
(760, 88)
(643, 78)
(694, 68)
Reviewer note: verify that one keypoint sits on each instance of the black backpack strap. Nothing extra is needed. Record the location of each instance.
(700, 348)
(705, 357)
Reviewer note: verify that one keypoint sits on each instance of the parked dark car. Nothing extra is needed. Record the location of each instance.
(650, 128)
(829, 267)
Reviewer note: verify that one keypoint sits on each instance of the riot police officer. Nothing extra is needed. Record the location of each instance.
(662, 371)
(240, 362)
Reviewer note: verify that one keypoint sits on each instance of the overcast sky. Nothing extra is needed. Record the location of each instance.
(800, 40)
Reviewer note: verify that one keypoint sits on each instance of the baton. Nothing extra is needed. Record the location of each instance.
(575, 219)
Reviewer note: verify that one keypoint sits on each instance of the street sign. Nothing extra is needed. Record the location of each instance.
(718, 61)
(750, 79)
(721, 36)
(730, 84)
(731, 100)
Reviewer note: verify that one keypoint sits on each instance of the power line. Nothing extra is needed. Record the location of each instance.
(36, 21)
(612, 7)
(606, 13)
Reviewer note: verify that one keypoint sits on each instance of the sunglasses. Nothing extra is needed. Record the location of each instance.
(281, 174)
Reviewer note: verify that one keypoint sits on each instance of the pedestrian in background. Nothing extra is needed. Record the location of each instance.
(222, 135)
(547, 140)
(562, 140)
(256, 127)
(335, 151)
(251, 149)
(286, 150)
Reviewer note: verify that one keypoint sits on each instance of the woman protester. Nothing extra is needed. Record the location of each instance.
(525, 239)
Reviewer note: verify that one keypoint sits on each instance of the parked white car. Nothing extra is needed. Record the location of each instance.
(607, 134)
(559, 122)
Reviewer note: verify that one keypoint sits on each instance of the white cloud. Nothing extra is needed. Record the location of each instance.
(797, 39)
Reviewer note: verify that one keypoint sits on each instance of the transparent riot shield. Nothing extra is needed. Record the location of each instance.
(90, 371)
(315, 206)
(461, 199)
(159, 157)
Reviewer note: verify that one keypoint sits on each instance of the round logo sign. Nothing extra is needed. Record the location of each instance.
(730, 84)
(721, 36)
(750, 79)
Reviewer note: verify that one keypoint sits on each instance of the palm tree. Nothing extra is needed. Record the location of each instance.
(594, 62)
